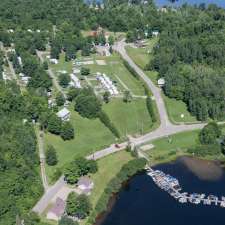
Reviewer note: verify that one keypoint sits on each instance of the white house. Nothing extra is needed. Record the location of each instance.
(75, 82)
(85, 185)
(25, 79)
(57, 211)
(64, 114)
(161, 82)
(53, 61)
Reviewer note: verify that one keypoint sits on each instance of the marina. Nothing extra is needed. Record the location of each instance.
(172, 186)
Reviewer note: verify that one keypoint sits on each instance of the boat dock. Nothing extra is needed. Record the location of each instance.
(171, 185)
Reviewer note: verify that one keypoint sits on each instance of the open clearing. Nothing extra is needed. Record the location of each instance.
(129, 118)
(142, 56)
(90, 135)
(177, 111)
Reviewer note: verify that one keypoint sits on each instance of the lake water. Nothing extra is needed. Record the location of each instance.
(141, 202)
(220, 3)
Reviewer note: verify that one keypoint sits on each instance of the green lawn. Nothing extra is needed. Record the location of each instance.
(129, 118)
(90, 136)
(175, 109)
(62, 64)
(114, 69)
(169, 148)
(108, 168)
(142, 56)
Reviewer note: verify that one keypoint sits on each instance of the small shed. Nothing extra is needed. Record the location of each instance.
(57, 211)
(161, 82)
(64, 114)
(85, 184)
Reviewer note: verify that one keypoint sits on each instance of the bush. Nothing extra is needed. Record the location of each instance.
(67, 221)
(130, 69)
(87, 105)
(73, 93)
(79, 206)
(54, 124)
(85, 71)
(67, 131)
(210, 133)
(150, 108)
(60, 100)
(204, 150)
(51, 157)
(106, 121)
(64, 80)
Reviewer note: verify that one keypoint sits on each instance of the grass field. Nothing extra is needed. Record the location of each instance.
(142, 56)
(62, 65)
(175, 108)
(114, 68)
(108, 168)
(129, 118)
(90, 136)
(169, 148)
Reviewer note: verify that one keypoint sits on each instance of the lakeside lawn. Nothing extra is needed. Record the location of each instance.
(90, 136)
(175, 109)
(108, 169)
(129, 118)
(168, 148)
(142, 56)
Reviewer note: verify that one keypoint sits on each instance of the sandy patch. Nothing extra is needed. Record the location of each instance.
(203, 169)
(101, 62)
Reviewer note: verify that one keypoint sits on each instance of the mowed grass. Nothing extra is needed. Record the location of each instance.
(168, 148)
(108, 169)
(90, 136)
(175, 109)
(114, 68)
(129, 118)
(142, 56)
(62, 65)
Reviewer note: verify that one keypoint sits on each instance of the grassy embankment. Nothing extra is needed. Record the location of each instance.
(169, 148)
(175, 108)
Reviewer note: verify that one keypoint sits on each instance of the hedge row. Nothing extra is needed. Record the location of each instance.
(106, 121)
(128, 170)
(130, 69)
(150, 107)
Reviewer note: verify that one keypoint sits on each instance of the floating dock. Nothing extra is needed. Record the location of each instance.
(171, 185)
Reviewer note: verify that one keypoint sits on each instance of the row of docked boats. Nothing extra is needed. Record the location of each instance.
(171, 185)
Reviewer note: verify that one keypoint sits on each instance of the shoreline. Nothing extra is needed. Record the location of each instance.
(112, 200)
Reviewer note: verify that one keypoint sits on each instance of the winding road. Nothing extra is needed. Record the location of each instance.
(166, 128)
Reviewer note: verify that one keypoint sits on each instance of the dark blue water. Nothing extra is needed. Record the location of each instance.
(220, 3)
(143, 203)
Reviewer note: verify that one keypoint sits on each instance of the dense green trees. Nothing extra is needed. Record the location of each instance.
(78, 206)
(79, 167)
(210, 133)
(87, 104)
(51, 157)
(67, 131)
(21, 185)
(85, 71)
(64, 80)
(189, 57)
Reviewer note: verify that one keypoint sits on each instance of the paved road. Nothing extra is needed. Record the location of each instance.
(166, 127)
(52, 75)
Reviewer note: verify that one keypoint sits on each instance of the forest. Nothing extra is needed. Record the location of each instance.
(190, 56)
